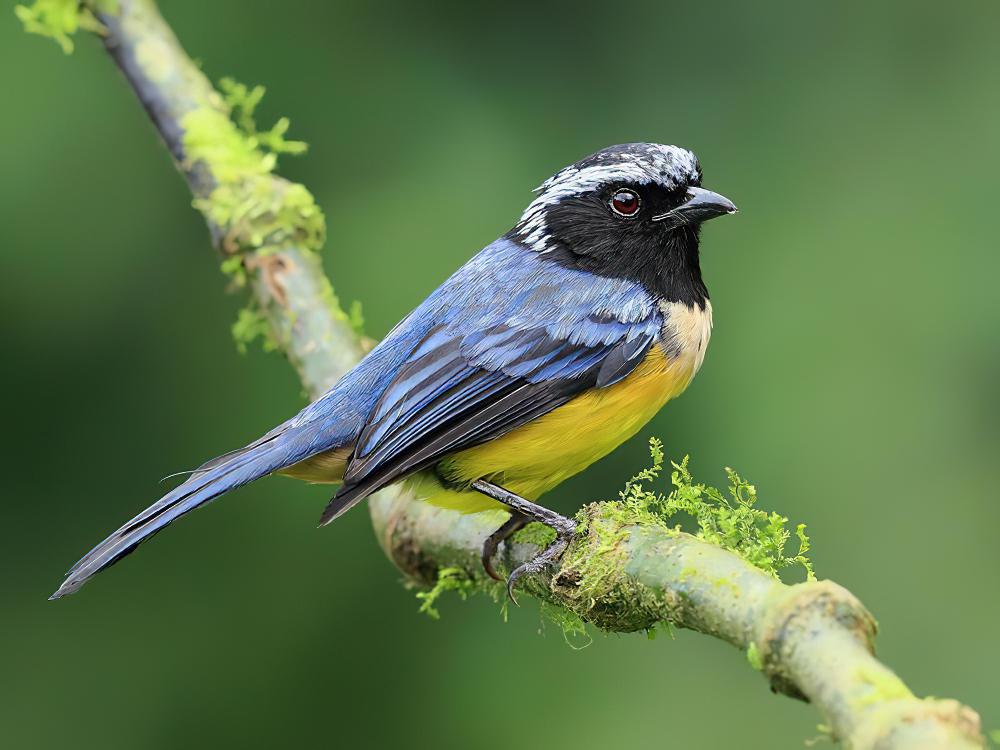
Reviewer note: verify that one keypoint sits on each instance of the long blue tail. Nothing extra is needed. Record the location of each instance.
(284, 446)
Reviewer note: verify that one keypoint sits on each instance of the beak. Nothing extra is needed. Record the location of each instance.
(701, 205)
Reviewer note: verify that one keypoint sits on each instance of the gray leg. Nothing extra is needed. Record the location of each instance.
(564, 528)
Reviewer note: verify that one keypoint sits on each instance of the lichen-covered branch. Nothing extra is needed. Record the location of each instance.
(268, 229)
(812, 640)
(625, 571)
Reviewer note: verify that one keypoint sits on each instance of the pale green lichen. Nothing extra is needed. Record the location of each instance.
(825, 736)
(882, 685)
(155, 55)
(59, 20)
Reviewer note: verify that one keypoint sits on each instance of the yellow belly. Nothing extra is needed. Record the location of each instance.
(535, 458)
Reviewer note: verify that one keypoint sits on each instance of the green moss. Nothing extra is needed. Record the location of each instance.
(356, 318)
(256, 212)
(731, 520)
(233, 268)
(449, 579)
(594, 567)
(535, 533)
(593, 577)
(254, 209)
(570, 624)
(59, 20)
(329, 298)
(727, 518)
(250, 325)
(753, 656)
(665, 626)
(465, 585)
(242, 102)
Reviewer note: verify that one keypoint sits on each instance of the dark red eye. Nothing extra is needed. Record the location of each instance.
(625, 203)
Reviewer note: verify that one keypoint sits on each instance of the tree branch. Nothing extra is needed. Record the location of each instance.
(812, 640)
(272, 225)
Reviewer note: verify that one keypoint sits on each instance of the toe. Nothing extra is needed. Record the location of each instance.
(488, 565)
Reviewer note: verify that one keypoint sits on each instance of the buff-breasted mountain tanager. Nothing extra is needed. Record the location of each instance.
(542, 354)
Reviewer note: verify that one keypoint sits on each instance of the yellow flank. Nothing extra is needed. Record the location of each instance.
(323, 468)
(534, 458)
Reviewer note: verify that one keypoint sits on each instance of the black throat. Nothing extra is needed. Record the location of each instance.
(665, 263)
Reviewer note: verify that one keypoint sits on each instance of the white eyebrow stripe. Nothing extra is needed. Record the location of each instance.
(573, 181)
(645, 164)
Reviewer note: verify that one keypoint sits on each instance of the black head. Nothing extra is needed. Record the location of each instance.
(629, 211)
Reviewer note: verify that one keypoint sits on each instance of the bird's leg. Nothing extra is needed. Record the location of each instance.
(516, 522)
(564, 528)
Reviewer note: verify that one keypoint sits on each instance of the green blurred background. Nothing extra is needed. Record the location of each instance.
(853, 374)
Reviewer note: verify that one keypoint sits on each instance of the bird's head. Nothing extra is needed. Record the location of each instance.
(628, 211)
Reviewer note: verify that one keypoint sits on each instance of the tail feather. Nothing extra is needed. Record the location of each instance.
(265, 456)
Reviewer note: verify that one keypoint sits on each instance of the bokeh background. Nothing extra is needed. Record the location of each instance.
(853, 374)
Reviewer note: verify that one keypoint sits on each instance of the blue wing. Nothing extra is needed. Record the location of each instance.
(484, 369)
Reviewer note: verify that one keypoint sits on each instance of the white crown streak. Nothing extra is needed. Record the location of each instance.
(667, 165)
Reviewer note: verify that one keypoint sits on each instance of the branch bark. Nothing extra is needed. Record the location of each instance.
(813, 640)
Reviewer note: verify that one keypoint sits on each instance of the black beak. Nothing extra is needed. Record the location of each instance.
(701, 205)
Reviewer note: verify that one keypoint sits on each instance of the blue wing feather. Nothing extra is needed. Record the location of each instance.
(484, 370)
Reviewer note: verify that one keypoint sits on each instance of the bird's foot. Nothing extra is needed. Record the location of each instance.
(516, 522)
(564, 535)
(523, 511)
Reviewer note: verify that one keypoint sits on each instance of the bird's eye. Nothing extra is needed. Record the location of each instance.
(625, 202)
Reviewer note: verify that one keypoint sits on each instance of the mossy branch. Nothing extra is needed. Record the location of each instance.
(625, 571)
(628, 571)
(269, 230)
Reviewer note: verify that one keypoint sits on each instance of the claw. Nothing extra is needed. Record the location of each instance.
(490, 570)
(516, 521)
(510, 589)
(523, 511)
(564, 533)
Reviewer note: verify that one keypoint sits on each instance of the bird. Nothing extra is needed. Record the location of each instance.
(543, 353)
